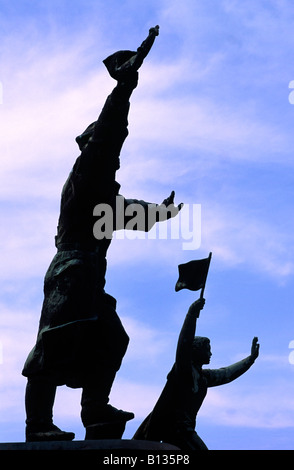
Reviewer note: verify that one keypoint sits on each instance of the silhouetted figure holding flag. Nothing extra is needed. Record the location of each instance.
(173, 419)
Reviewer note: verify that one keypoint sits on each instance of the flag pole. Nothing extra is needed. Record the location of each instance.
(203, 287)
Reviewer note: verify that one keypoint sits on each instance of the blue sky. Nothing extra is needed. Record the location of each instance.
(212, 120)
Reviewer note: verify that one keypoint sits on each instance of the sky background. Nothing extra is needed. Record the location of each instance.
(211, 119)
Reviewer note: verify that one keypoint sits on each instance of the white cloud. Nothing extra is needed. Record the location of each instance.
(193, 123)
(27, 242)
(267, 406)
(240, 238)
(146, 342)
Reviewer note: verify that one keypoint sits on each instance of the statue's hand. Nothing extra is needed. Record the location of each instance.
(254, 348)
(154, 30)
(169, 204)
(196, 306)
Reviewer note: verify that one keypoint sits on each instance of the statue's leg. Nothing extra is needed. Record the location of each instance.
(97, 414)
(39, 401)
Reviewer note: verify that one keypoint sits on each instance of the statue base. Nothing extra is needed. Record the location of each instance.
(88, 453)
(89, 445)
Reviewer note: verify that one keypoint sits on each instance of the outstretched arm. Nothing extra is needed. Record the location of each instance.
(134, 214)
(167, 208)
(232, 372)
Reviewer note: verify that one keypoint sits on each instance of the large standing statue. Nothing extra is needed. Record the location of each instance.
(81, 340)
(173, 418)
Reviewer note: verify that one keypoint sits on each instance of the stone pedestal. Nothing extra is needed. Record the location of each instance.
(89, 445)
(88, 453)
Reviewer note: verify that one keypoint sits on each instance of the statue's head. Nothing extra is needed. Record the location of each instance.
(201, 352)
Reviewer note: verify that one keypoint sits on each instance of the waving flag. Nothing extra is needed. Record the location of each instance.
(193, 275)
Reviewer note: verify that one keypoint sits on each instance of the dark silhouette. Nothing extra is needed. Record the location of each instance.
(81, 340)
(173, 418)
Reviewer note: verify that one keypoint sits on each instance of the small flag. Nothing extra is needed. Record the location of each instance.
(193, 275)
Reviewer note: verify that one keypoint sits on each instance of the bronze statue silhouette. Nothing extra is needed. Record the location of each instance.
(81, 340)
(173, 419)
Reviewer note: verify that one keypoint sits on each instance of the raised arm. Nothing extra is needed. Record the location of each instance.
(102, 141)
(228, 374)
(137, 58)
(187, 334)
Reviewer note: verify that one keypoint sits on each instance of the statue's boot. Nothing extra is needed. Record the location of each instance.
(39, 401)
(105, 422)
(122, 64)
(49, 432)
(99, 417)
(96, 413)
(109, 423)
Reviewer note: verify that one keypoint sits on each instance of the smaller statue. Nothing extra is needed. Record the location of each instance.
(173, 419)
